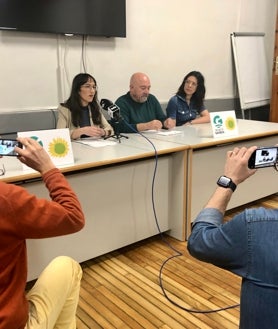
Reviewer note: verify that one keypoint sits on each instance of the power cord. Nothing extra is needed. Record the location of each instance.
(178, 253)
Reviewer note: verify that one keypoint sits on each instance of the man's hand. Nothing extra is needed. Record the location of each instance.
(154, 125)
(151, 125)
(236, 166)
(169, 123)
(34, 155)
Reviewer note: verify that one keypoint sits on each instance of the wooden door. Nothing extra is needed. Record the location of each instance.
(274, 97)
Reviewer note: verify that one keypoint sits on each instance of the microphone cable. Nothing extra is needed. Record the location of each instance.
(83, 53)
(178, 253)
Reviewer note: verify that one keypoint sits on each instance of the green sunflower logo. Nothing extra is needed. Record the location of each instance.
(58, 147)
(230, 123)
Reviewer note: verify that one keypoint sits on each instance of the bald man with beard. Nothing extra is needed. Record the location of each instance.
(140, 110)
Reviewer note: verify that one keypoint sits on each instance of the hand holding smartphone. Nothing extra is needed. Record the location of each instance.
(7, 147)
(263, 157)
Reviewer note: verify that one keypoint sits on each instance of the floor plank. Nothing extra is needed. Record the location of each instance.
(122, 289)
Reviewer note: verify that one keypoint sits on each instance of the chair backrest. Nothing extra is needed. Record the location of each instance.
(13, 122)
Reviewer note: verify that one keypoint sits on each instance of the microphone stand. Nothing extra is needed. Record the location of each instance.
(117, 135)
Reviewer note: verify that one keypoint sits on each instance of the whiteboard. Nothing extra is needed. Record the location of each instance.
(251, 69)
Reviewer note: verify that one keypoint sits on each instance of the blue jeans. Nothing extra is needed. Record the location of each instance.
(247, 245)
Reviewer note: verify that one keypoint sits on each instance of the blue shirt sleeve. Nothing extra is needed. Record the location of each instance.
(224, 245)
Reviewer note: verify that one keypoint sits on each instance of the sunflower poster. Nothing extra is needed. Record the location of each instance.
(56, 142)
(223, 123)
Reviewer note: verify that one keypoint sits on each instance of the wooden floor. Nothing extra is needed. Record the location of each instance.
(121, 289)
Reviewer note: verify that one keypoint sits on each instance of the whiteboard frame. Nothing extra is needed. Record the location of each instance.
(264, 98)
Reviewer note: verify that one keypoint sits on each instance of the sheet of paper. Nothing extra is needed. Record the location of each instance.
(150, 131)
(169, 132)
(97, 142)
(162, 132)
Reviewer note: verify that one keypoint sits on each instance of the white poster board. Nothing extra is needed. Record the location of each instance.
(56, 142)
(251, 68)
(223, 123)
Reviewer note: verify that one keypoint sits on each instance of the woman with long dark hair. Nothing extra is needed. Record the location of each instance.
(81, 112)
(187, 105)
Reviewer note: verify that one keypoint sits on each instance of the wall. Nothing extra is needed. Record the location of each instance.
(164, 39)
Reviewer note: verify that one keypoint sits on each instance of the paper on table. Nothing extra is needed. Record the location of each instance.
(169, 132)
(162, 132)
(97, 143)
(153, 131)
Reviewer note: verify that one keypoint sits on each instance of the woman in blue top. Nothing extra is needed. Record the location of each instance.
(187, 106)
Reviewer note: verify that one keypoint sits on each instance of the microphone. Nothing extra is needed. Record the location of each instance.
(114, 113)
(112, 109)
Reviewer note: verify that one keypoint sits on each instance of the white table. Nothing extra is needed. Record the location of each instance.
(206, 158)
(114, 186)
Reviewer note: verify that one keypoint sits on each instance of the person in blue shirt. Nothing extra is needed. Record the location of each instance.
(140, 109)
(246, 245)
(187, 105)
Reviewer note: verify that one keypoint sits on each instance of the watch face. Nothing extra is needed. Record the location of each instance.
(224, 181)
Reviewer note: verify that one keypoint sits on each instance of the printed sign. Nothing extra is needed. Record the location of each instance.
(223, 123)
(56, 142)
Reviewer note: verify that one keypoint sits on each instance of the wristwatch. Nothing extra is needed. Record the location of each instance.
(226, 182)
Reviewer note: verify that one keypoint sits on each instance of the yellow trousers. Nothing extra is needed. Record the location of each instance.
(54, 298)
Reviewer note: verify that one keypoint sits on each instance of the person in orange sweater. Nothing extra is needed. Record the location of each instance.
(52, 301)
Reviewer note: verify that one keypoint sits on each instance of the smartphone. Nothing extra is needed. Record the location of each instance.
(7, 146)
(263, 157)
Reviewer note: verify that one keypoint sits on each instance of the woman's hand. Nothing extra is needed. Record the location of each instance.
(93, 131)
(34, 155)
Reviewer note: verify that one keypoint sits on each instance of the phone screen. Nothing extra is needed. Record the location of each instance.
(7, 147)
(263, 157)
